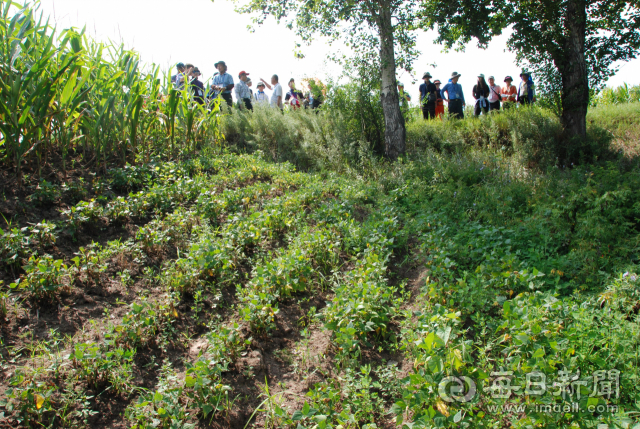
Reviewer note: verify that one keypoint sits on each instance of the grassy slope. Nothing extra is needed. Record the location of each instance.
(505, 268)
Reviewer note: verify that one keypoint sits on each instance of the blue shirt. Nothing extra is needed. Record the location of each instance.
(426, 89)
(223, 80)
(454, 91)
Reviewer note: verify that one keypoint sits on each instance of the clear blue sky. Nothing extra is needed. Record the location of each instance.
(203, 32)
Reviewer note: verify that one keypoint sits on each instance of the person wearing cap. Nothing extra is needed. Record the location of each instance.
(428, 97)
(243, 93)
(439, 100)
(223, 83)
(180, 68)
(509, 93)
(455, 96)
(276, 96)
(197, 87)
(494, 95)
(481, 93)
(260, 96)
(183, 77)
(527, 89)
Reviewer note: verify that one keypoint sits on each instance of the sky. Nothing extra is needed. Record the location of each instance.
(203, 32)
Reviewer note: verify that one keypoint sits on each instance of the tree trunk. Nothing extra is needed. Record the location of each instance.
(394, 132)
(573, 70)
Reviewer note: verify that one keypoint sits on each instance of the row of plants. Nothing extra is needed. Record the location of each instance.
(163, 197)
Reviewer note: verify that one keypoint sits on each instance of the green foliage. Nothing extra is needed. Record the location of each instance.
(203, 386)
(616, 96)
(539, 333)
(14, 245)
(161, 408)
(30, 399)
(43, 278)
(142, 324)
(532, 135)
(100, 367)
(45, 193)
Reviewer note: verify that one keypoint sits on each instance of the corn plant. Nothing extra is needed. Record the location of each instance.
(62, 92)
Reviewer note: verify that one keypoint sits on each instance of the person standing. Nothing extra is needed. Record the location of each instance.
(404, 96)
(455, 96)
(183, 77)
(494, 95)
(439, 100)
(481, 93)
(276, 96)
(261, 97)
(223, 83)
(243, 93)
(180, 68)
(428, 97)
(293, 98)
(509, 93)
(197, 87)
(526, 90)
(249, 84)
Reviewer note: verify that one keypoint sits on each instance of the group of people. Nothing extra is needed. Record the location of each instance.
(223, 85)
(488, 96)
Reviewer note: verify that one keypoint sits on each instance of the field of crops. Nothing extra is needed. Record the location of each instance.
(165, 293)
(226, 291)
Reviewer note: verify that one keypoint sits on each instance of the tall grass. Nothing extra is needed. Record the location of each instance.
(64, 95)
(615, 96)
(326, 139)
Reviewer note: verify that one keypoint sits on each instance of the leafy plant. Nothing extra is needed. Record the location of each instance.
(100, 367)
(43, 278)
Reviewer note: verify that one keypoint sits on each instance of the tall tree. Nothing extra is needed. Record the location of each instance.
(582, 39)
(383, 26)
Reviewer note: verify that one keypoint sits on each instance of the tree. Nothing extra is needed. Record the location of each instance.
(385, 27)
(581, 39)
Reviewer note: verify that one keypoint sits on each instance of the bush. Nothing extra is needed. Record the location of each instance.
(308, 139)
(531, 134)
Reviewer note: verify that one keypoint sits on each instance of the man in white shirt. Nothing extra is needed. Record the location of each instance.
(276, 97)
(494, 94)
(261, 96)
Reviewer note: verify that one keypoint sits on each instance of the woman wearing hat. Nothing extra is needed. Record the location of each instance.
(509, 93)
(481, 93)
(526, 90)
(428, 97)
